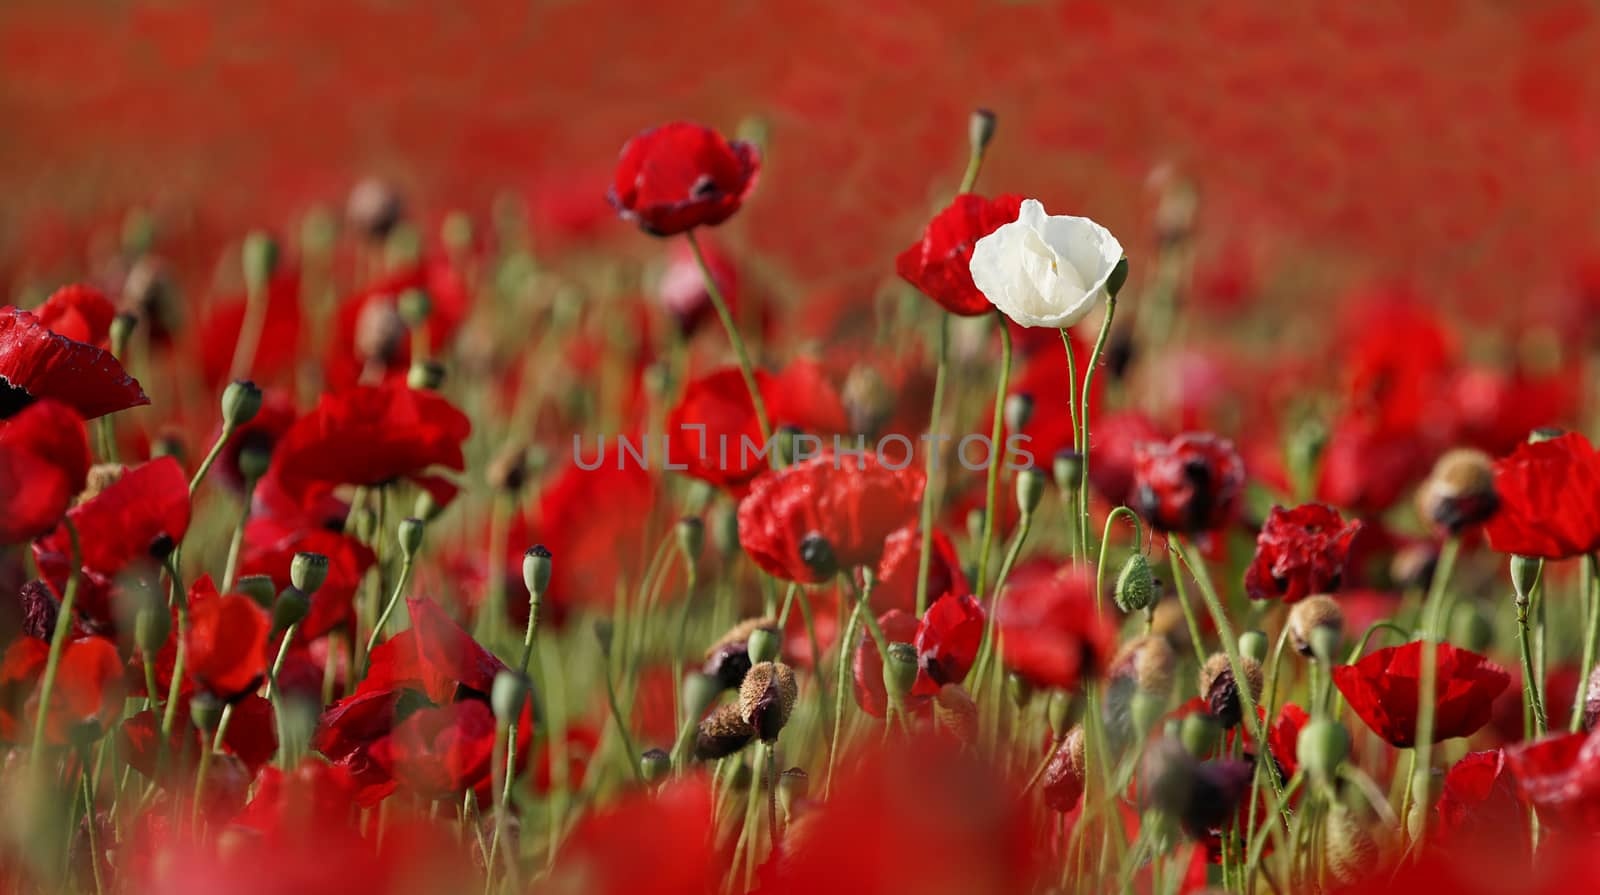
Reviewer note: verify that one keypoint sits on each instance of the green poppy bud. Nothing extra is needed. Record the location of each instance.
(307, 571)
(1136, 584)
(1199, 733)
(1067, 468)
(258, 588)
(980, 130)
(507, 695)
(1030, 489)
(241, 401)
(1323, 746)
(259, 255)
(410, 537)
(290, 609)
(900, 669)
(1254, 645)
(654, 765)
(763, 645)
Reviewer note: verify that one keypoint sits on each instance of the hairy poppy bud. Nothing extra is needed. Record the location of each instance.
(537, 564)
(728, 660)
(289, 609)
(1221, 691)
(379, 333)
(1413, 565)
(900, 669)
(1323, 746)
(1460, 490)
(258, 588)
(307, 571)
(425, 375)
(1316, 626)
(980, 130)
(150, 628)
(1018, 411)
(1136, 584)
(1064, 775)
(722, 733)
(1148, 662)
(374, 209)
(1352, 851)
(956, 713)
(1525, 572)
(767, 697)
(509, 690)
(654, 765)
(1199, 733)
(508, 471)
(259, 256)
(763, 645)
(1254, 645)
(691, 533)
(205, 710)
(1030, 489)
(410, 537)
(241, 401)
(415, 307)
(1067, 468)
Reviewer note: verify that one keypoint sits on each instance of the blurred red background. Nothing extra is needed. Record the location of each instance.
(1450, 143)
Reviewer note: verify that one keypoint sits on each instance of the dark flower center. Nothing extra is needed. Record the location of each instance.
(13, 399)
(817, 554)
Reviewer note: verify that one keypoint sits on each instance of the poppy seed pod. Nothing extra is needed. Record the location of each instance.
(955, 712)
(980, 130)
(1316, 627)
(1459, 492)
(1064, 775)
(1221, 691)
(536, 567)
(1136, 584)
(1067, 468)
(900, 670)
(410, 537)
(1030, 489)
(151, 627)
(258, 588)
(289, 609)
(1254, 645)
(728, 660)
(1018, 411)
(307, 571)
(722, 733)
(654, 765)
(241, 401)
(767, 697)
(259, 256)
(415, 307)
(1323, 746)
(506, 697)
(1525, 572)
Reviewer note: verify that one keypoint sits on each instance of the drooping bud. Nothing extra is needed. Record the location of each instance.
(955, 713)
(307, 571)
(151, 626)
(508, 693)
(425, 375)
(289, 609)
(254, 459)
(1018, 411)
(410, 537)
(1030, 489)
(1304, 450)
(1316, 627)
(725, 529)
(1019, 688)
(259, 256)
(784, 444)
(1199, 733)
(763, 645)
(1413, 565)
(1221, 691)
(975, 518)
(691, 534)
(1136, 584)
(1067, 468)
(722, 733)
(728, 660)
(258, 588)
(1254, 645)
(900, 670)
(1323, 745)
(767, 697)
(1065, 774)
(604, 631)
(1058, 710)
(698, 691)
(980, 130)
(1118, 277)
(1460, 490)
(654, 765)
(122, 327)
(241, 401)
(1144, 710)
(379, 333)
(508, 471)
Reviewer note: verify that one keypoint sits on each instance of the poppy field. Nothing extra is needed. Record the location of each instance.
(1033, 453)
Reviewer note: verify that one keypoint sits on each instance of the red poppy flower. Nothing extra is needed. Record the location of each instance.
(866, 665)
(940, 264)
(434, 656)
(896, 587)
(370, 341)
(20, 669)
(278, 345)
(1496, 409)
(270, 547)
(88, 693)
(261, 433)
(441, 752)
(37, 363)
(1549, 499)
(1366, 467)
(44, 462)
(808, 521)
(1051, 634)
(1479, 804)
(665, 833)
(681, 291)
(1383, 688)
(714, 433)
(1189, 485)
(947, 642)
(1560, 776)
(251, 736)
(347, 733)
(370, 435)
(81, 313)
(1300, 552)
(680, 176)
(139, 517)
(227, 641)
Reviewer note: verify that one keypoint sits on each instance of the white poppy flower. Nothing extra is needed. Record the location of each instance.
(1046, 270)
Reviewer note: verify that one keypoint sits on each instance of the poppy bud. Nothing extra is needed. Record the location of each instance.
(1148, 662)
(868, 401)
(1316, 626)
(1019, 688)
(1471, 628)
(1030, 489)
(722, 733)
(1018, 411)
(241, 401)
(763, 645)
(425, 376)
(900, 669)
(818, 555)
(379, 332)
(1064, 776)
(698, 690)
(122, 327)
(1136, 584)
(975, 523)
(205, 710)
(506, 696)
(168, 444)
(1059, 710)
(151, 627)
(767, 697)
(1413, 565)
(425, 507)
(728, 660)
(318, 230)
(1323, 746)
(1199, 733)
(691, 532)
(410, 537)
(1067, 467)
(654, 765)
(374, 209)
(725, 529)
(1118, 277)
(1253, 645)
(307, 571)
(537, 564)
(793, 786)
(253, 461)
(259, 255)
(955, 712)
(1460, 490)
(456, 231)
(1352, 851)
(603, 632)
(258, 588)
(415, 307)
(980, 130)
(1144, 710)
(1221, 691)
(1525, 574)
(290, 608)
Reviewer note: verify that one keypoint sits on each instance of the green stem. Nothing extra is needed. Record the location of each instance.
(925, 559)
(211, 457)
(994, 456)
(1428, 684)
(1080, 547)
(715, 293)
(1591, 598)
(250, 329)
(58, 645)
(1105, 538)
(388, 610)
(988, 648)
(1083, 419)
(236, 543)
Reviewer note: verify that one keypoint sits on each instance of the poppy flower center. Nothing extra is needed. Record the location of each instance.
(13, 398)
(817, 554)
